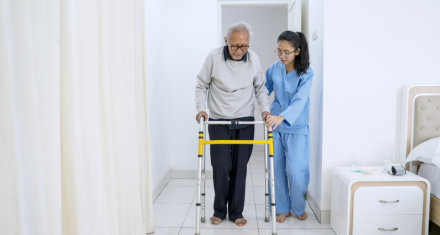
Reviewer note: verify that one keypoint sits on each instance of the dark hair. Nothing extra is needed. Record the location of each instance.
(298, 40)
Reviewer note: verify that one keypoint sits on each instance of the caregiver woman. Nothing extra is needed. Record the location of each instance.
(290, 79)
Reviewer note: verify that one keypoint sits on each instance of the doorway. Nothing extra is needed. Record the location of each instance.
(268, 20)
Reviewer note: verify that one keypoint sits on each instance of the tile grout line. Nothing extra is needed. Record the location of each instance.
(184, 219)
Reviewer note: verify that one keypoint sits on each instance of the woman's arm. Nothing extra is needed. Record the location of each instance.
(269, 81)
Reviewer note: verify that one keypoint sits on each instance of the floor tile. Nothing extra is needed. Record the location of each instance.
(258, 153)
(249, 179)
(236, 231)
(258, 179)
(257, 158)
(177, 194)
(208, 182)
(258, 168)
(166, 231)
(291, 222)
(209, 196)
(182, 182)
(259, 194)
(248, 213)
(282, 231)
(169, 215)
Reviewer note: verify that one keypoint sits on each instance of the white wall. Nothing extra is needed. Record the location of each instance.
(372, 49)
(180, 34)
(159, 166)
(312, 23)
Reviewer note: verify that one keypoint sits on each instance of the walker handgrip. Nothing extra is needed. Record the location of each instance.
(202, 120)
(233, 122)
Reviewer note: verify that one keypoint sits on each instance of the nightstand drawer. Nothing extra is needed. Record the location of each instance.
(388, 200)
(387, 224)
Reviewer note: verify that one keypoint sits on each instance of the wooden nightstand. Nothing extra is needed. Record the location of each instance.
(379, 203)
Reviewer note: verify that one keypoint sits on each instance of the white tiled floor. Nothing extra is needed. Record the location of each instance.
(174, 209)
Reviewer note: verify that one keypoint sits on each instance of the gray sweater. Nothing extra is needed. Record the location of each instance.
(233, 86)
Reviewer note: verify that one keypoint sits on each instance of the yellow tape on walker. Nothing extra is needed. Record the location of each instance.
(271, 148)
(236, 142)
(203, 142)
(270, 136)
(200, 143)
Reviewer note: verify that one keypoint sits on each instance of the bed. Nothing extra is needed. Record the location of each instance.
(422, 125)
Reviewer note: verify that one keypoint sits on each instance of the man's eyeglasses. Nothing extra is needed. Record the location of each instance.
(284, 53)
(242, 47)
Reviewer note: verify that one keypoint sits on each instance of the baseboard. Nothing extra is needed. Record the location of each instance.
(160, 187)
(323, 216)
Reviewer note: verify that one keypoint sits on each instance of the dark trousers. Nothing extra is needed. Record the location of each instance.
(229, 165)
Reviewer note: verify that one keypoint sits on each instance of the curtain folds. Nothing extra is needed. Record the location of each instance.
(74, 154)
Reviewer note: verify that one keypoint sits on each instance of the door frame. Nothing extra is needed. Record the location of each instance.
(294, 15)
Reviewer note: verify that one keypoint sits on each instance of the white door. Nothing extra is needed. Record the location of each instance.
(294, 15)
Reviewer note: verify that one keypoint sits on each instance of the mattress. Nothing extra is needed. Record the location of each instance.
(432, 174)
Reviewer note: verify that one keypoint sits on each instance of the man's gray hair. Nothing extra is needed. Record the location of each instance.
(238, 27)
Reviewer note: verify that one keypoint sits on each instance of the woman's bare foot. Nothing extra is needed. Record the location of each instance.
(302, 217)
(282, 216)
(240, 222)
(215, 220)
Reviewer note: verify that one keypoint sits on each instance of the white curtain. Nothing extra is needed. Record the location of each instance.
(30, 173)
(73, 128)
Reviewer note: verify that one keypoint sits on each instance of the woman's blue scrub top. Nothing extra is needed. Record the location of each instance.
(291, 97)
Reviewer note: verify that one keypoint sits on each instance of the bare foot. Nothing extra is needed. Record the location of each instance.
(215, 220)
(240, 222)
(282, 216)
(302, 217)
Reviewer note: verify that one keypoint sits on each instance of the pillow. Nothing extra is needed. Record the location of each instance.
(428, 152)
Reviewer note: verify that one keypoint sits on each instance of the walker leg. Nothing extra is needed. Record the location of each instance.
(202, 195)
(199, 178)
(272, 186)
(266, 180)
(203, 218)
(198, 204)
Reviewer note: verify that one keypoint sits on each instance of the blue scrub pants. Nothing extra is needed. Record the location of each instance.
(291, 165)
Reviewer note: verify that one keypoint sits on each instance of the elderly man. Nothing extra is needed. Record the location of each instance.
(233, 76)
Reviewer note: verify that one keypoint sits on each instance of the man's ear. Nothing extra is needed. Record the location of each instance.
(226, 41)
(297, 51)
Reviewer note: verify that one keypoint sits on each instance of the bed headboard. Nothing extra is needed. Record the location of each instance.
(423, 116)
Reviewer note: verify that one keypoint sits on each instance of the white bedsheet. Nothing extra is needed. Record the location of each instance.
(432, 174)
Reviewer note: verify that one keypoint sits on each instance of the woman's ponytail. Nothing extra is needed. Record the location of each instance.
(302, 61)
